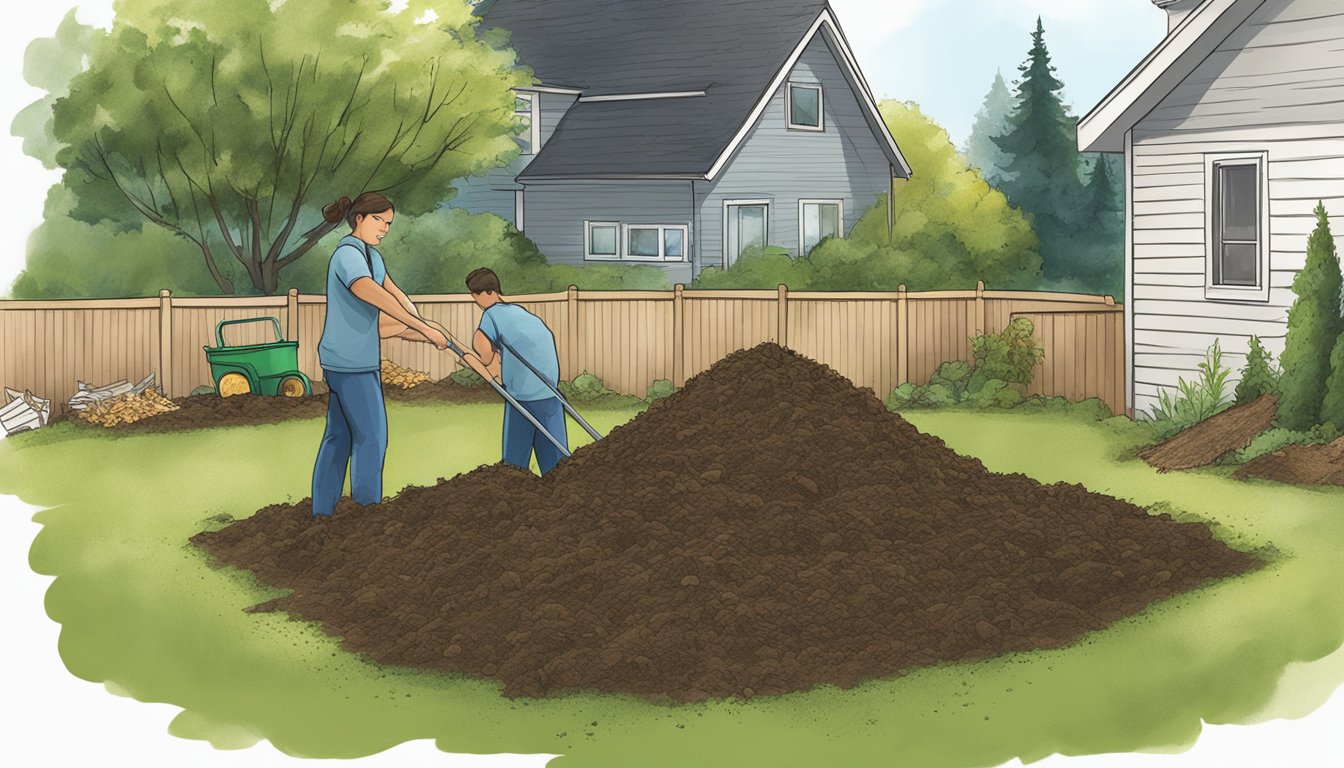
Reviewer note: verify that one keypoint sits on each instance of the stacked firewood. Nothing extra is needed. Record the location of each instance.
(403, 378)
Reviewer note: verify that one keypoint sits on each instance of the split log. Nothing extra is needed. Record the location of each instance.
(1202, 444)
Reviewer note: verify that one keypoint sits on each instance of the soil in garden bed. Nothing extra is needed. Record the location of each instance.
(1299, 464)
(767, 529)
(210, 410)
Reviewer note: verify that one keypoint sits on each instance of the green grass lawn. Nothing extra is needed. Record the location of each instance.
(143, 611)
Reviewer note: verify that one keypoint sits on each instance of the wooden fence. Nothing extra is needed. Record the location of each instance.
(628, 339)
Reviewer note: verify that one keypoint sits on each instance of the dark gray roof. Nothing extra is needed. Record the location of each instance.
(731, 49)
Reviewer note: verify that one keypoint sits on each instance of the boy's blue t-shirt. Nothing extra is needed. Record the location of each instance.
(350, 333)
(528, 335)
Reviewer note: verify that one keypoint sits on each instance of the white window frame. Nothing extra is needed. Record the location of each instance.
(802, 203)
(1260, 291)
(662, 242)
(821, 107)
(588, 254)
(727, 262)
(534, 119)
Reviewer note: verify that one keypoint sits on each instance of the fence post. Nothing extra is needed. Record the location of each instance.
(902, 335)
(572, 329)
(678, 337)
(782, 315)
(166, 383)
(292, 316)
(980, 321)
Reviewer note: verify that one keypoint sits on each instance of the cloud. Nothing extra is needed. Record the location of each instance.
(1064, 9)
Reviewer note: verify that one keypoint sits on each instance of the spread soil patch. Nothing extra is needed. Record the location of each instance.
(767, 529)
(1299, 464)
(1202, 444)
(199, 411)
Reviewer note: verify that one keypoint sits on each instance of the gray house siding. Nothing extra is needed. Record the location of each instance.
(556, 212)
(495, 191)
(774, 163)
(1274, 86)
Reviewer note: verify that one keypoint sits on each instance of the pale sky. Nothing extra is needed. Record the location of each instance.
(939, 53)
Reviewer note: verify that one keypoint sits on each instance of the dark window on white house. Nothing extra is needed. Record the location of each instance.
(1236, 224)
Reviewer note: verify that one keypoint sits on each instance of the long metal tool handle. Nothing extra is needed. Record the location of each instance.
(563, 402)
(517, 405)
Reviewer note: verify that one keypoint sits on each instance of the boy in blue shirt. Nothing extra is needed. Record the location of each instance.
(506, 333)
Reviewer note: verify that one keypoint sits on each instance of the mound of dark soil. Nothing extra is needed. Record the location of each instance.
(199, 411)
(1299, 464)
(767, 529)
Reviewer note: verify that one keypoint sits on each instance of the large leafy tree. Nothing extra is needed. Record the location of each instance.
(1042, 169)
(49, 63)
(990, 121)
(230, 124)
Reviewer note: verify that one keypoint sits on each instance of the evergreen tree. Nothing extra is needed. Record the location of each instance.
(1332, 407)
(1314, 327)
(1097, 260)
(1042, 169)
(990, 121)
(1258, 377)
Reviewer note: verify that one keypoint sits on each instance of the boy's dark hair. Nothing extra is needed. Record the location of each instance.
(483, 280)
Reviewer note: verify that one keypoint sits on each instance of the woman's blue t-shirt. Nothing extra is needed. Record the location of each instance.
(350, 333)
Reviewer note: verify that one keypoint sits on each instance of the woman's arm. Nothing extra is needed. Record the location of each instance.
(366, 290)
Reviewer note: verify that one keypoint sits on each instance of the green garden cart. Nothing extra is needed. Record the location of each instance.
(262, 369)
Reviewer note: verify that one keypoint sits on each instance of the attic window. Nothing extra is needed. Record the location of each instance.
(804, 107)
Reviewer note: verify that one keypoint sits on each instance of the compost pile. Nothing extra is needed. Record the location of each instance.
(126, 409)
(1299, 464)
(211, 410)
(394, 375)
(767, 529)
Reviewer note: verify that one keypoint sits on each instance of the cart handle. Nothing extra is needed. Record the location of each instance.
(219, 329)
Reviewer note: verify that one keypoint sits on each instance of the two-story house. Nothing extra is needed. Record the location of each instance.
(681, 132)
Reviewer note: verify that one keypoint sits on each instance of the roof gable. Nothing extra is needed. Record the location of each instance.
(731, 54)
(1184, 48)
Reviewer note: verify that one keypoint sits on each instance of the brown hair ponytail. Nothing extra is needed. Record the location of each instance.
(347, 209)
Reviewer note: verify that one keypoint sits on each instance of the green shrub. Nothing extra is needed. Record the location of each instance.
(1274, 440)
(1195, 400)
(1011, 355)
(761, 268)
(954, 376)
(1314, 327)
(588, 389)
(466, 377)
(1259, 376)
(660, 389)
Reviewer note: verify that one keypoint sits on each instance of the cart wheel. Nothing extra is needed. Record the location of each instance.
(291, 386)
(231, 384)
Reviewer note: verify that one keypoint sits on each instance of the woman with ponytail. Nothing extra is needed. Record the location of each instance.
(359, 291)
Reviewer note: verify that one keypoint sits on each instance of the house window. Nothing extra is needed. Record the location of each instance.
(613, 241)
(804, 107)
(1236, 220)
(746, 224)
(655, 242)
(602, 240)
(818, 219)
(525, 106)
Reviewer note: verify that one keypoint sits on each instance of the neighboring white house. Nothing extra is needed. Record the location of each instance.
(1232, 130)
